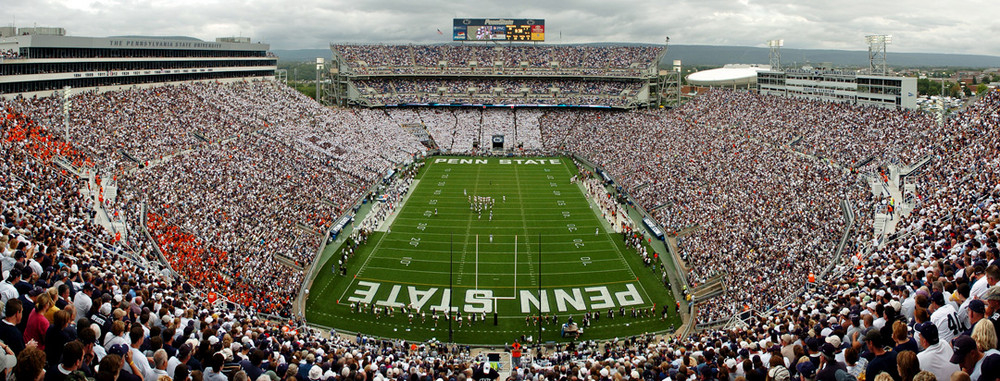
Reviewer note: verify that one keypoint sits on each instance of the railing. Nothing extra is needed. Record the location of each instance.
(154, 243)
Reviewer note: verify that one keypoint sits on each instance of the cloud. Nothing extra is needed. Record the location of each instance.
(917, 25)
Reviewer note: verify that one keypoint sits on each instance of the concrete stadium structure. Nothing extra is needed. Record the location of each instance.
(40, 63)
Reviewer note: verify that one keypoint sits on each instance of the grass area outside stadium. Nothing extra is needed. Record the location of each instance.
(543, 248)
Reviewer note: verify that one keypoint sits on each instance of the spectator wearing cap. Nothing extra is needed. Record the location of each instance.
(945, 317)
(9, 333)
(828, 364)
(835, 341)
(28, 304)
(315, 373)
(936, 356)
(812, 345)
(788, 348)
(854, 328)
(970, 358)
(128, 370)
(182, 358)
(806, 370)
(237, 349)
(992, 299)
(103, 316)
(884, 359)
(977, 311)
(82, 301)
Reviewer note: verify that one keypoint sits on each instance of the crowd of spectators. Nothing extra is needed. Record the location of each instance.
(766, 215)
(236, 178)
(122, 128)
(9, 54)
(457, 129)
(926, 306)
(396, 91)
(845, 134)
(505, 59)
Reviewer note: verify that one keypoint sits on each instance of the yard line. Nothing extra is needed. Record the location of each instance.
(415, 260)
(468, 228)
(607, 236)
(492, 274)
(361, 270)
(418, 250)
(562, 286)
(524, 225)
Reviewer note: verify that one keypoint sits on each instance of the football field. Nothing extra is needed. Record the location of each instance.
(478, 236)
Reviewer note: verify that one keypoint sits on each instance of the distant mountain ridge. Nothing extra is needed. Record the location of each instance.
(706, 55)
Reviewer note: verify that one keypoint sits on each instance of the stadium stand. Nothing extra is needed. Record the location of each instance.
(594, 76)
(933, 280)
(514, 59)
(500, 91)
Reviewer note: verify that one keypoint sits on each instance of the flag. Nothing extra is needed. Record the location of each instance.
(440, 32)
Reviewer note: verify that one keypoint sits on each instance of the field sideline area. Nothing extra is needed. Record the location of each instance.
(438, 252)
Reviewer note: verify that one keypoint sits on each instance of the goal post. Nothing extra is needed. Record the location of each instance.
(496, 311)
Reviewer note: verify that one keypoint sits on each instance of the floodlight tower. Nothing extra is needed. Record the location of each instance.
(669, 81)
(320, 62)
(67, 103)
(775, 54)
(876, 53)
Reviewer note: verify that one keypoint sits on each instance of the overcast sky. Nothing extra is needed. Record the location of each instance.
(924, 26)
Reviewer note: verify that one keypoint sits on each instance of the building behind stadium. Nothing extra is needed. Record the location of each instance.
(840, 86)
(38, 61)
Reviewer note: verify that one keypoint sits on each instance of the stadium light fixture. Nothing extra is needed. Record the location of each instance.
(774, 56)
(67, 103)
(879, 39)
(876, 53)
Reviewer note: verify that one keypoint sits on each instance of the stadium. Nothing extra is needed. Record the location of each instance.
(455, 211)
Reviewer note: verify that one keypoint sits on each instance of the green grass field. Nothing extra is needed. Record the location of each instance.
(583, 266)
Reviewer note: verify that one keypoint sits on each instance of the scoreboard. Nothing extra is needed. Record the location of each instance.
(526, 30)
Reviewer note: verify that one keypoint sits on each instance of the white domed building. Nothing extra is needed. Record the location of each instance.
(732, 75)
